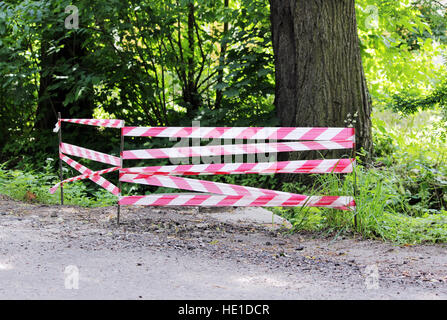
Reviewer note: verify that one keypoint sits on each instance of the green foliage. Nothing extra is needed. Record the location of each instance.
(410, 103)
(403, 45)
(19, 71)
(433, 12)
(147, 62)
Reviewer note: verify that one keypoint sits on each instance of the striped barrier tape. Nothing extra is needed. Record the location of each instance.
(231, 149)
(110, 123)
(95, 178)
(85, 176)
(214, 193)
(184, 199)
(222, 188)
(89, 154)
(197, 185)
(299, 166)
(57, 127)
(283, 133)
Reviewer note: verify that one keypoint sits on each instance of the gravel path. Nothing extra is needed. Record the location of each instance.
(169, 253)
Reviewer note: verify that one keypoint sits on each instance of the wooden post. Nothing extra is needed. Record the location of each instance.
(60, 160)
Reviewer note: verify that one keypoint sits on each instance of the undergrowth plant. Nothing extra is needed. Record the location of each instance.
(401, 197)
(34, 186)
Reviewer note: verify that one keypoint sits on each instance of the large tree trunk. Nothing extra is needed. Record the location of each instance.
(319, 74)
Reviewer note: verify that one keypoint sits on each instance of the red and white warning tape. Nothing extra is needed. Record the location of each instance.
(89, 154)
(85, 176)
(284, 133)
(299, 166)
(57, 127)
(196, 185)
(95, 178)
(214, 193)
(252, 194)
(228, 149)
(184, 199)
(110, 123)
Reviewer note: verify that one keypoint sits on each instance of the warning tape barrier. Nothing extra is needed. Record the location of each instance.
(110, 123)
(89, 154)
(85, 176)
(95, 178)
(299, 166)
(197, 185)
(233, 149)
(86, 173)
(184, 199)
(271, 133)
(230, 190)
(214, 193)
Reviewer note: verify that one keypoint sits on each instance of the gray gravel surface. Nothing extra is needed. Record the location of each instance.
(184, 253)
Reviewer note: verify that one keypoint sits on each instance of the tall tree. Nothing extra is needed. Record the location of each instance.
(319, 74)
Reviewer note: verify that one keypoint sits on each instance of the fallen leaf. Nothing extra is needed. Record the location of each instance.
(29, 196)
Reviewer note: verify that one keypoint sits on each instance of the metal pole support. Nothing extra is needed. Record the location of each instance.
(354, 151)
(60, 160)
(119, 173)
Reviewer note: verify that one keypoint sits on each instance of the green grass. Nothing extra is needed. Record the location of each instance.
(381, 210)
(401, 198)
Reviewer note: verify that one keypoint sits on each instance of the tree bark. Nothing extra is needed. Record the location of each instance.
(318, 68)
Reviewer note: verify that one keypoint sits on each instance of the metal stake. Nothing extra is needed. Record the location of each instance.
(60, 160)
(354, 150)
(119, 174)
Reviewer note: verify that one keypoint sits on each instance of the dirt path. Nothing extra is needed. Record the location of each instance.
(168, 253)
